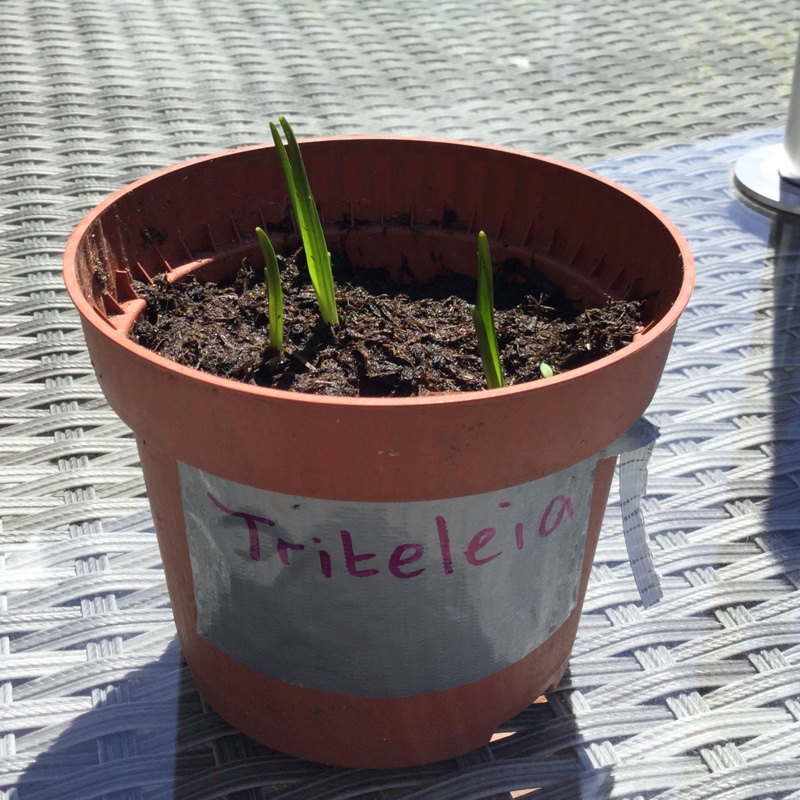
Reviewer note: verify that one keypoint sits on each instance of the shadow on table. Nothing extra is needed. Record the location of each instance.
(782, 505)
(150, 737)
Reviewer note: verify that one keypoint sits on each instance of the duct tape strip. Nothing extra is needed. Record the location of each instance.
(634, 450)
(632, 486)
(392, 599)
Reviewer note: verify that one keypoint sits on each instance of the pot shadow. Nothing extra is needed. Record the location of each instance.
(782, 269)
(150, 736)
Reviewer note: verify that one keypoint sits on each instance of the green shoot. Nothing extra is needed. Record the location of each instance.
(546, 370)
(483, 317)
(305, 211)
(272, 278)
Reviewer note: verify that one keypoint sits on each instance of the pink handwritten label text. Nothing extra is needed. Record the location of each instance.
(481, 546)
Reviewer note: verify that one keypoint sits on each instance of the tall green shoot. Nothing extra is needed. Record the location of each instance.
(483, 317)
(272, 278)
(307, 216)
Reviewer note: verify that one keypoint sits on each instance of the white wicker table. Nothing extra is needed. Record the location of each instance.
(698, 697)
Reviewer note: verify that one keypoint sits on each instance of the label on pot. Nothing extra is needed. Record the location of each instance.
(384, 599)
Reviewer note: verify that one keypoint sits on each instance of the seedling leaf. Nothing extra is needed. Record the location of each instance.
(272, 277)
(307, 215)
(483, 317)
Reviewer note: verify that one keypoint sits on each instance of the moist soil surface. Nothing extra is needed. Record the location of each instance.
(393, 340)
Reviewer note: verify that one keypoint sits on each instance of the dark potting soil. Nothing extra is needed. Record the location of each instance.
(393, 341)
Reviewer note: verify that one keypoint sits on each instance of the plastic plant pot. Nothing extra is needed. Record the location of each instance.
(378, 582)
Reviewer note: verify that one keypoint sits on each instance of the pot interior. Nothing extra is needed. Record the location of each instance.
(413, 207)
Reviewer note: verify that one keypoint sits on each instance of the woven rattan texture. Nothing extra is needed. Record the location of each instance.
(695, 698)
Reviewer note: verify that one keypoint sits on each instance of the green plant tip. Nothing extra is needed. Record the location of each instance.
(272, 278)
(307, 216)
(546, 370)
(483, 317)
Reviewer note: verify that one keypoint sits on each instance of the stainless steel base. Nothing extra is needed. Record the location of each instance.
(757, 176)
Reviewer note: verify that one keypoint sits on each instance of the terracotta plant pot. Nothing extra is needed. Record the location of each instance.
(378, 582)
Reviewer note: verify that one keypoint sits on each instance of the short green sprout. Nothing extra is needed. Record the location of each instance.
(305, 211)
(483, 317)
(272, 278)
(546, 370)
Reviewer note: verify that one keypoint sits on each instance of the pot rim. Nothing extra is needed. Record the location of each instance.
(90, 316)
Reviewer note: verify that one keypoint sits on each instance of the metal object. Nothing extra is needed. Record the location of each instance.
(770, 175)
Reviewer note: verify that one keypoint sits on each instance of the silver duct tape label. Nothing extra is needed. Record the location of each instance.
(384, 599)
